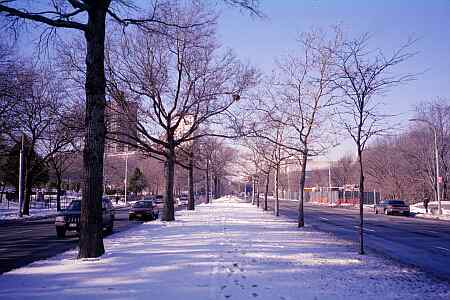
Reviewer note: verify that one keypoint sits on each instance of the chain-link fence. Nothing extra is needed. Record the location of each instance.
(334, 196)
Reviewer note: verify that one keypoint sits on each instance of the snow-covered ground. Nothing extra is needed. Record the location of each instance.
(11, 212)
(419, 210)
(227, 250)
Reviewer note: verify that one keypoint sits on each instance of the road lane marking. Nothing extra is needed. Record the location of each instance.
(442, 248)
(366, 229)
(322, 218)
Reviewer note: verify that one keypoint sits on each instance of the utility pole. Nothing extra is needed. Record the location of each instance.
(438, 177)
(329, 175)
(125, 181)
(21, 177)
(126, 177)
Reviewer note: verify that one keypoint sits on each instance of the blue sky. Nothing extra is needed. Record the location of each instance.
(389, 22)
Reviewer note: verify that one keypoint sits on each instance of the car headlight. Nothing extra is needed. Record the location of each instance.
(59, 219)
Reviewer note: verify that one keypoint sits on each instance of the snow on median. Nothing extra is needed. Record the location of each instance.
(227, 250)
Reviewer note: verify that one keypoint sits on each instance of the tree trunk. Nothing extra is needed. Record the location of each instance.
(277, 184)
(361, 203)
(91, 235)
(169, 170)
(215, 186)
(207, 181)
(253, 191)
(191, 202)
(3, 191)
(301, 192)
(257, 193)
(266, 190)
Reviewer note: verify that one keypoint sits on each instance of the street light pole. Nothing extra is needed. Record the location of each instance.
(438, 177)
(126, 178)
(126, 153)
(436, 152)
(21, 177)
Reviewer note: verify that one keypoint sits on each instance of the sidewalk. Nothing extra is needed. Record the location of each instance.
(227, 250)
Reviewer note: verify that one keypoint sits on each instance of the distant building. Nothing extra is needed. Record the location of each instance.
(121, 120)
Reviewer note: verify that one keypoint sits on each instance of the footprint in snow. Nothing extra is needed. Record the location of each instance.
(254, 285)
(254, 294)
(227, 296)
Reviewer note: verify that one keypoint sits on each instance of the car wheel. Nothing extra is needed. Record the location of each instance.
(376, 211)
(60, 232)
(130, 218)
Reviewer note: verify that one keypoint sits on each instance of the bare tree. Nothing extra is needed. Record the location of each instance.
(11, 87)
(39, 109)
(343, 171)
(305, 90)
(179, 83)
(261, 157)
(89, 17)
(362, 75)
(59, 146)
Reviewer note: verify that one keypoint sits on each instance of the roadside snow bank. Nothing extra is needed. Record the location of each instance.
(226, 250)
(419, 210)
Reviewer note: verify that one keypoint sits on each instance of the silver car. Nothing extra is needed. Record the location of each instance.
(389, 207)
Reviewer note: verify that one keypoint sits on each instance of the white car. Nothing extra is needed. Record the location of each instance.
(183, 199)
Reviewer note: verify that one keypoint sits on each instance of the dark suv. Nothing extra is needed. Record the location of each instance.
(69, 219)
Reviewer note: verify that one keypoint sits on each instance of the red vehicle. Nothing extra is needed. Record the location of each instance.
(144, 210)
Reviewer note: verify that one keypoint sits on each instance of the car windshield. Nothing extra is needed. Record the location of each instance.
(74, 205)
(143, 204)
(395, 202)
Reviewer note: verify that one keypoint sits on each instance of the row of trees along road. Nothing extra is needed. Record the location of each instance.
(331, 84)
(34, 113)
(402, 166)
(90, 18)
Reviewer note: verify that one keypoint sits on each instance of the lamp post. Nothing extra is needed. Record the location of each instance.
(126, 154)
(21, 183)
(436, 152)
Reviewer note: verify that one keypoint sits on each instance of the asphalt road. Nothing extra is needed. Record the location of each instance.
(422, 243)
(24, 242)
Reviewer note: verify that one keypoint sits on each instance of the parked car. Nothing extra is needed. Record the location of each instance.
(69, 219)
(144, 210)
(388, 207)
(183, 199)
